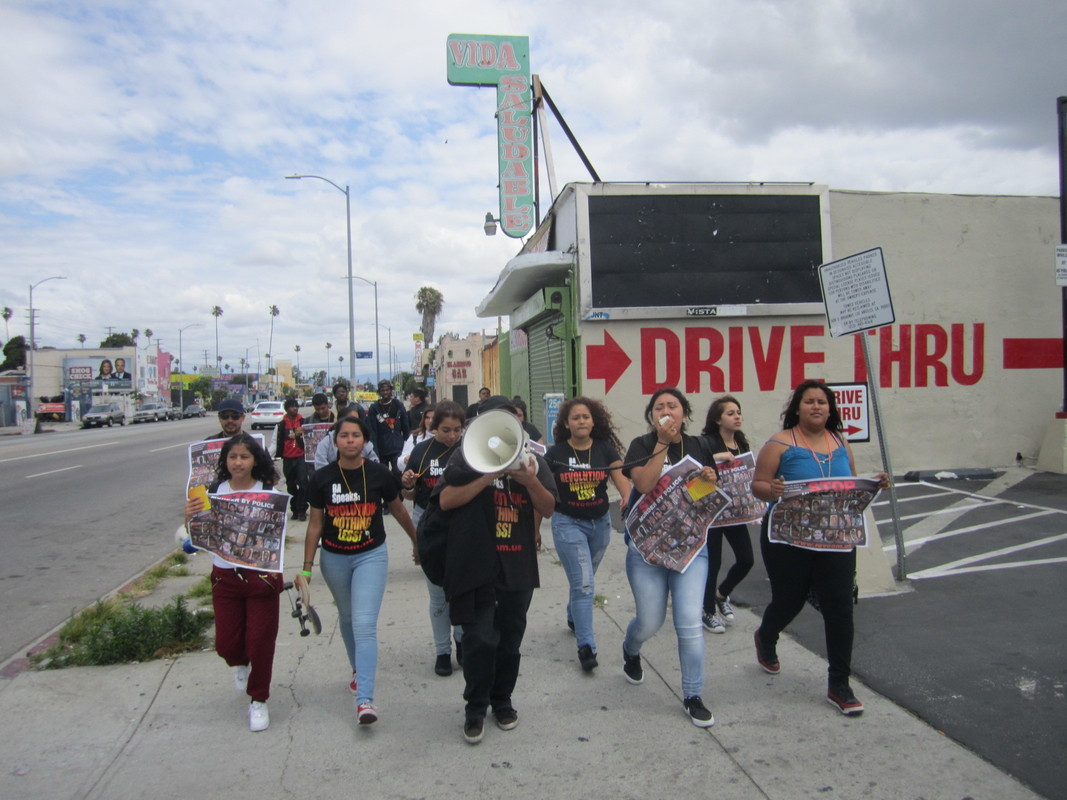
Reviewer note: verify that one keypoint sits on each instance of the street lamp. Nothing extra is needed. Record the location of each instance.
(377, 337)
(181, 386)
(351, 305)
(33, 346)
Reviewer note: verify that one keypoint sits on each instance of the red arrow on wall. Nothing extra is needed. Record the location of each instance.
(606, 362)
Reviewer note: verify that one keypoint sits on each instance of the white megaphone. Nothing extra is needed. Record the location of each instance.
(495, 441)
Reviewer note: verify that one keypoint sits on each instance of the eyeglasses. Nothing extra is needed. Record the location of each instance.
(230, 415)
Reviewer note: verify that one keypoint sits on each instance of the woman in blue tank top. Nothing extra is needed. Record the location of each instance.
(811, 445)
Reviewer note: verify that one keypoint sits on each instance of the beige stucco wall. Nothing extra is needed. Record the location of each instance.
(971, 269)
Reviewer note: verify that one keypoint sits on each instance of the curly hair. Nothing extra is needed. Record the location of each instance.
(603, 427)
(263, 469)
(791, 415)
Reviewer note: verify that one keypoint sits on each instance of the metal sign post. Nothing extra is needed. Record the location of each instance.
(855, 292)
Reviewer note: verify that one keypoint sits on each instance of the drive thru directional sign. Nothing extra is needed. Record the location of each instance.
(853, 408)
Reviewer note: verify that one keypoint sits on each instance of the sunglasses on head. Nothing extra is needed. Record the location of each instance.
(229, 415)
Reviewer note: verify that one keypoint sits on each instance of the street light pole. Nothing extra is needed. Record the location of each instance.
(351, 304)
(181, 386)
(377, 336)
(33, 346)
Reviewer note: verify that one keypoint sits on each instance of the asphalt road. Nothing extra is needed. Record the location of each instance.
(83, 512)
(975, 644)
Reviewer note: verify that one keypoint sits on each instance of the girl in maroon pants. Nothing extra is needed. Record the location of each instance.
(245, 600)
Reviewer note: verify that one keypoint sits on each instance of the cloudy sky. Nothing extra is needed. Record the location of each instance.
(144, 144)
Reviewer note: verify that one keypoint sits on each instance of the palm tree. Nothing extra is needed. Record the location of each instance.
(428, 302)
(327, 381)
(296, 349)
(8, 314)
(133, 335)
(81, 339)
(216, 312)
(273, 310)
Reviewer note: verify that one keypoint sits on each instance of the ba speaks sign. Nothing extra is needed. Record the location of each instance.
(503, 62)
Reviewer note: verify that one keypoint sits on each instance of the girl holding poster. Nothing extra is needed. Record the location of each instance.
(647, 458)
(726, 441)
(245, 600)
(347, 497)
(811, 446)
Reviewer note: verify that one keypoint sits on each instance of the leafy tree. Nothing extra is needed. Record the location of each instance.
(428, 302)
(201, 386)
(14, 353)
(118, 340)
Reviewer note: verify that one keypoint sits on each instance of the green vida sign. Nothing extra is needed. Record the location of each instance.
(503, 62)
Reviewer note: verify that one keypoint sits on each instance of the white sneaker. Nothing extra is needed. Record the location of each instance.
(258, 718)
(240, 678)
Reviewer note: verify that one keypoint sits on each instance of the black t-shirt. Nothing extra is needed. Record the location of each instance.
(644, 446)
(510, 508)
(351, 501)
(582, 478)
(427, 461)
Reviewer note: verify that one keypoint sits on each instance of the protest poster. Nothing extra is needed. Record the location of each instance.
(314, 432)
(204, 461)
(824, 514)
(735, 479)
(669, 524)
(244, 528)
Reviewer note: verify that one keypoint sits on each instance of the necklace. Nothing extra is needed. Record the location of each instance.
(425, 453)
(579, 459)
(363, 469)
(824, 466)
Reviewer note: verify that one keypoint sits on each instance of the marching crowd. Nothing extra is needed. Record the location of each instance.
(489, 523)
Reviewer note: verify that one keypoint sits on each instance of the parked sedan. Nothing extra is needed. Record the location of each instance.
(103, 414)
(174, 412)
(267, 414)
(150, 412)
(195, 410)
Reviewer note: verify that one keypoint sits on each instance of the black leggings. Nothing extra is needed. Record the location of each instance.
(740, 542)
(792, 572)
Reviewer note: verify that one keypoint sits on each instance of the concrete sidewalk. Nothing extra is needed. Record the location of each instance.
(176, 728)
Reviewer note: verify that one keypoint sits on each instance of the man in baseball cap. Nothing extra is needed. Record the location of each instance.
(231, 416)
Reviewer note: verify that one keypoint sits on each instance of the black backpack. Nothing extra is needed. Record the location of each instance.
(432, 538)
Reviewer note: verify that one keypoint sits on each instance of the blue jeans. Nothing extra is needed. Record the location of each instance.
(357, 583)
(650, 586)
(580, 545)
(439, 624)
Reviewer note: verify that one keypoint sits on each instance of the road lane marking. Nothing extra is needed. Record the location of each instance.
(57, 452)
(54, 471)
(172, 446)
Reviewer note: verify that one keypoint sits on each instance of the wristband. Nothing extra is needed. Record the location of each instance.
(305, 573)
